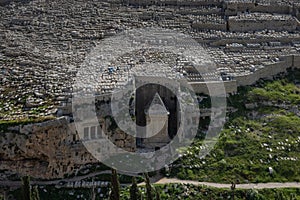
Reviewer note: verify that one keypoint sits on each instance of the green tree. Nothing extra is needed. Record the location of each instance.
(26, 192)
(232, 189)
(115, 186)
(134, 190)
(148, 187)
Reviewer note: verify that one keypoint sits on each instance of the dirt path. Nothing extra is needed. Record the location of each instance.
(241, 186)
(162, 181)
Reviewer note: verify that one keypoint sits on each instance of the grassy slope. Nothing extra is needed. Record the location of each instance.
(249, 145)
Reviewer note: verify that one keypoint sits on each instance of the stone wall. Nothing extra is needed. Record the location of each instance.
(245, 25)
(245, 41)
(268, 71)
(230, 87)
(174, 2)
(237, 7)
(296, 61)
(207, 26)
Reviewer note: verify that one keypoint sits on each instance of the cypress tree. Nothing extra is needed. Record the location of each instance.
(26, 193)
(134, 190)
(29, 193)
(115, 186)
(148, 187)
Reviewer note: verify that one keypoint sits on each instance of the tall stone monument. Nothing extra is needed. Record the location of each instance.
(157, 117)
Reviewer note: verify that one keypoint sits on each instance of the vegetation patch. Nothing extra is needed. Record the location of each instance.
(192, 192)
(259, 144)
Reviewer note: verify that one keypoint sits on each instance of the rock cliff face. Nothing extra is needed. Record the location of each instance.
(50, 149)
(44, 150)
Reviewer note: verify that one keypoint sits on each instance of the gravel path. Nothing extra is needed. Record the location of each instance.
(241, 186)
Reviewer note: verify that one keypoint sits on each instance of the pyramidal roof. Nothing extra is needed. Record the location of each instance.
(157, 106)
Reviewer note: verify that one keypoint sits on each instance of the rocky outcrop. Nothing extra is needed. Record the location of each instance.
(51, 149)
(44, 150)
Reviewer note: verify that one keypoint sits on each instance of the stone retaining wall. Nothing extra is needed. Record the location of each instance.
(235, 8)
(241, 25)
(201, 87)
(202, 26)
(267, 71)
